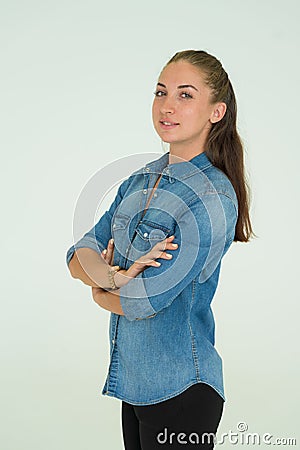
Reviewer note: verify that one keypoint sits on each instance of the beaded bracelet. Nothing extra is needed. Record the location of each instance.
(111, 274)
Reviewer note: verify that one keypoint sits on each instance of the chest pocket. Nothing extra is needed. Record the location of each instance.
(120, 234)
(132, 243)
(120, 222)
(148, 234)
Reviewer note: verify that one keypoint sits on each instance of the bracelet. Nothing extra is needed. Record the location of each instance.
(111, 273)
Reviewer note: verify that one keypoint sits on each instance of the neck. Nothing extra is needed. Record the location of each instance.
(178, 155)
(186, 150)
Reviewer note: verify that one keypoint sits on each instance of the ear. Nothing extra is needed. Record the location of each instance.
(218, 112)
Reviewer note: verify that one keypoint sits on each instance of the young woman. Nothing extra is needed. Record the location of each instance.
(154, 258)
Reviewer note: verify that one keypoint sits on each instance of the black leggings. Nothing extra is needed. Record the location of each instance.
(177, 423)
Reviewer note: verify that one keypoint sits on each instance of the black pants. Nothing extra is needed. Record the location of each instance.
(177, 423)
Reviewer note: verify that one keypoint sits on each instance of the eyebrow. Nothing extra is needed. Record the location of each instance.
(182, 86)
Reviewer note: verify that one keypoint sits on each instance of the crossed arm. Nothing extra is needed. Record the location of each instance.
(110, 300)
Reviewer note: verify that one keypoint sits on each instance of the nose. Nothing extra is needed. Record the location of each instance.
(167, 107)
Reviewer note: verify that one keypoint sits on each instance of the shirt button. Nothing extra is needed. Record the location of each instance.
(147, 169)
(145, 191)
(145, 234)
(113, 341)
(155, 194)
(114, 226)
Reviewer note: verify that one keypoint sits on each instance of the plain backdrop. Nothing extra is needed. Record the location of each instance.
(77, 83)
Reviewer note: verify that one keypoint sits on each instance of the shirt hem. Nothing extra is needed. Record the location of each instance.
(161, 399)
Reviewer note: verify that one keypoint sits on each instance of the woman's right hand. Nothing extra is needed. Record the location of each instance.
(158, 251)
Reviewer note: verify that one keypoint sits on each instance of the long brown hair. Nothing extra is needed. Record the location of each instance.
(224, 147)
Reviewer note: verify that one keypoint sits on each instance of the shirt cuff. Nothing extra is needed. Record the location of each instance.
(85, 242)
(134, 301)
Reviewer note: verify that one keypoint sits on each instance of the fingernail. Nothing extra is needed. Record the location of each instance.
(111, 241)
(157, 263)
(104, 251)
(168, 255)
(174, 245)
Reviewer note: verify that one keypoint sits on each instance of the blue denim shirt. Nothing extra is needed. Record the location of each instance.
(165, 342)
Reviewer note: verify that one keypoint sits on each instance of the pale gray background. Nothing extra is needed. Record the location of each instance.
(76, 89)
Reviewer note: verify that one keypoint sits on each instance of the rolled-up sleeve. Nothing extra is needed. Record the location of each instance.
(203, 232)
(98, 236)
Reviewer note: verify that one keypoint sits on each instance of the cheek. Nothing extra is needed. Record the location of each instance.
(198, 115)
(155, 115)
(191, 116)
(154, 112)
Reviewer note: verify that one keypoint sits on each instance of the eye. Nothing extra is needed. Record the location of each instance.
(159, 93)
(186, 95)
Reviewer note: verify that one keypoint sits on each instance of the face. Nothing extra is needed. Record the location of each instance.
(182, 112)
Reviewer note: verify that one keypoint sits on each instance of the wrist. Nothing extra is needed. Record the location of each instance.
(121, 278)
(111, 272)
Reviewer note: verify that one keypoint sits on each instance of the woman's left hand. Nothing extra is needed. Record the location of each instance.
(108, 255)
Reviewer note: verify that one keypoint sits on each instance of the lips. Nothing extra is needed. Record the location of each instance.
(167, 124)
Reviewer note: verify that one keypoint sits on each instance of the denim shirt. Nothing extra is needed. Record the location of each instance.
(165, 342)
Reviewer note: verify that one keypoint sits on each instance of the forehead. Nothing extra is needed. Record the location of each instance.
(181, 72)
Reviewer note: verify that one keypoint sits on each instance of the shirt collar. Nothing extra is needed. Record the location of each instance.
(178, 170)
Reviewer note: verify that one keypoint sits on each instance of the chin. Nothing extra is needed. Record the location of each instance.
(168, 139)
